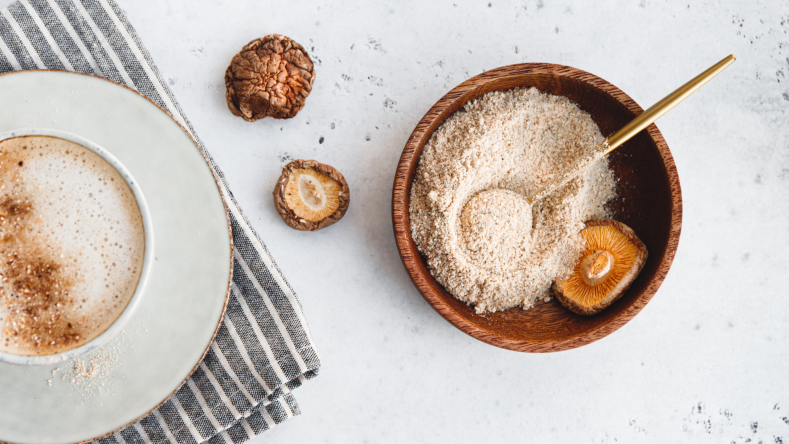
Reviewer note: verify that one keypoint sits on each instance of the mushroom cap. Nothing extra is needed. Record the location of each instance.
(612, 259)
(271, 77)
(291, 215)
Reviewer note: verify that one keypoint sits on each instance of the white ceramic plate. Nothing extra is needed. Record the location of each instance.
(188, 287)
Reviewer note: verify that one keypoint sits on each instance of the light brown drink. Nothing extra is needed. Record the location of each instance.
(71, 245)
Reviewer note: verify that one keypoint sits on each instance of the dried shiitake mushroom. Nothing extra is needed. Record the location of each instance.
(310, 195)
(270, 77)
(611, 261)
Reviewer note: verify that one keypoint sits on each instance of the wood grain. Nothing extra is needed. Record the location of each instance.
(649, 200)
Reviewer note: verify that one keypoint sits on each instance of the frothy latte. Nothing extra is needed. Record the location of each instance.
(72, 244)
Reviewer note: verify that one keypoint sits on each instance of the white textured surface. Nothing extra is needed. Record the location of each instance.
(704, 362)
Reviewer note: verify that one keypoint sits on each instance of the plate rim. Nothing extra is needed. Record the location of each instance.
(229, 230)
(409, 254)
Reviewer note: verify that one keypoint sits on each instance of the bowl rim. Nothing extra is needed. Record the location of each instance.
(148, 255)
(410, 255)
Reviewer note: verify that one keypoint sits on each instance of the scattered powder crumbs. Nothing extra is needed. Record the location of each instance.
(93, 374)
(470, 215)
(54, 371)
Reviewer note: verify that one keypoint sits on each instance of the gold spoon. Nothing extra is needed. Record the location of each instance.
(642, 121)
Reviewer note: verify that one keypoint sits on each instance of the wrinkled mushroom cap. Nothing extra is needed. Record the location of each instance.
(612, 259)
(310, 195)
(271, 77)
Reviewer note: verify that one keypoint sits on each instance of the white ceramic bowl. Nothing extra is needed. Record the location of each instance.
(127, 313)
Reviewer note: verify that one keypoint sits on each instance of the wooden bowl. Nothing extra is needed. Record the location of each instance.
(648, 200)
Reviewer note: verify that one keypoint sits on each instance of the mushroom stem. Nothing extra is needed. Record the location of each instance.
(596, 267)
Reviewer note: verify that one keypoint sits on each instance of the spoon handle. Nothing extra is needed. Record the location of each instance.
(665, 104)
(642, 121)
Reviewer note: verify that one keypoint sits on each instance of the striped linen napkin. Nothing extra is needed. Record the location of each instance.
(263, 349)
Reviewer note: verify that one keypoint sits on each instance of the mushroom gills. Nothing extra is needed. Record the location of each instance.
(311, 195)
(612, 259)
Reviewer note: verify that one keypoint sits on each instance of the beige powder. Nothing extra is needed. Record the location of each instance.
(470, 215)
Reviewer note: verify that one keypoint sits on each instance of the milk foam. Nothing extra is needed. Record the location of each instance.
(71, 245)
